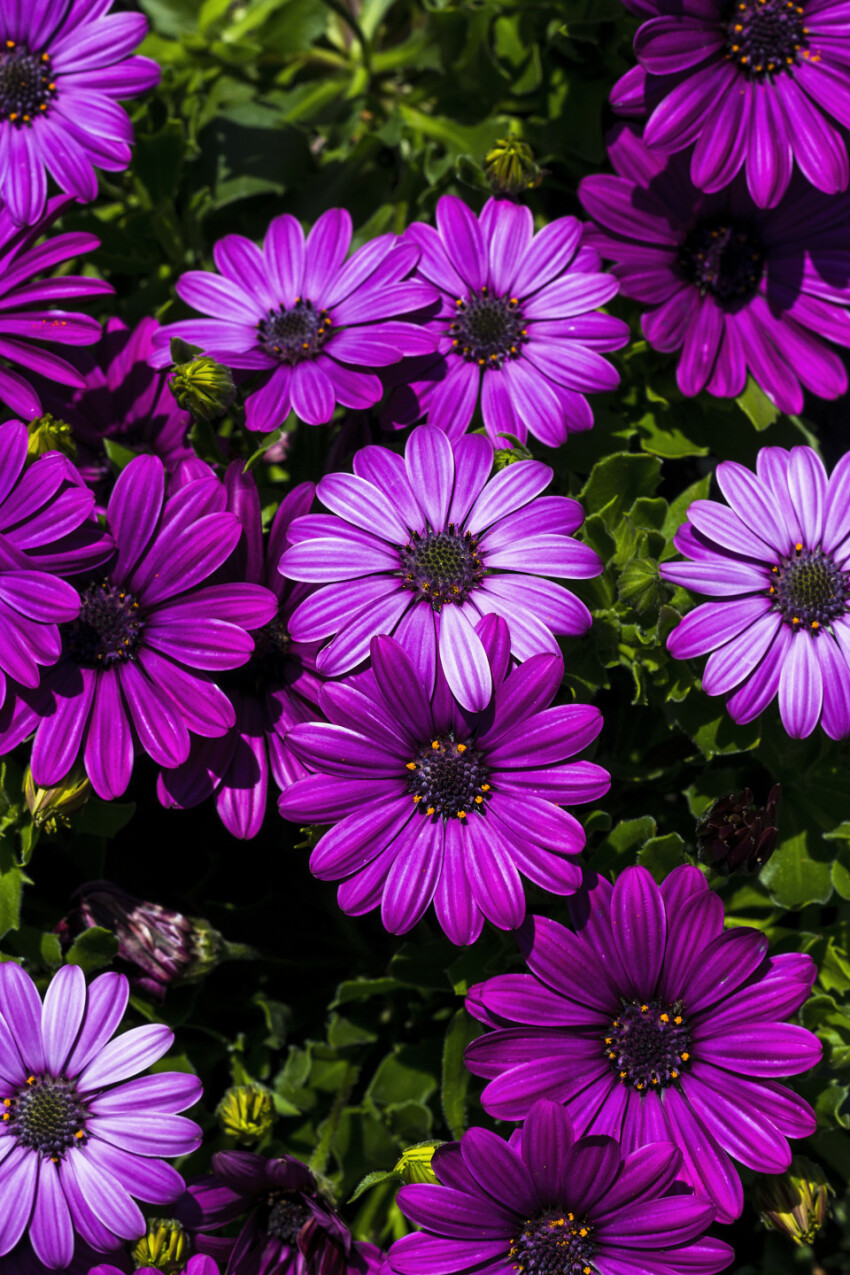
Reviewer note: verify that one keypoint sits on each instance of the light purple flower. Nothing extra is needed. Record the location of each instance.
(77, 1143)
(423, 547)
(757, 84)
(62, 65)
(313, 323)
(517, 330)
(433, 803)
(778, 561)
(197, 1265)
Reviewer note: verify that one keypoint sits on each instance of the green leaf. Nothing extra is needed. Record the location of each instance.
(37, 947)
(640, 587)
(756, 406)
(276, 1016)
(794, 878)
(120, 456)
(103, 818)
(372, 1179)
(455, 1077)
(402, 1076)
(617, 482)
(12, 881)
(662, 854)
(93, 949)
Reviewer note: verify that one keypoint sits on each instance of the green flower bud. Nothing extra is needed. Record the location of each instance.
(511, 168)
(47, 434)
(246, 1112)
(50, 807)
(504, 456)
(795, 1203)
(415, 1163)
(165, 1247)
(202, 387)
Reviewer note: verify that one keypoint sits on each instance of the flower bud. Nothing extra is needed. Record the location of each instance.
(47, 434)
(246, 1112)
(202, 387)
(735, 834)
(511, 168)
(165, 1247)
(795, 1203)
(50, 807)
(415, 1163)
(504, 456)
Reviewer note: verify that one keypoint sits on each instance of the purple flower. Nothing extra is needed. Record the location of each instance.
(306, 318)
(734, 287)
(134, 670)
(754, 83)
(778, 561)
(23, 1261)
(432, 803)
(423, 547)
(28, 312)
(121, 399)
(653, 1024)
(197, 1265)
(62, 65)
(517, 329)
(545, 1202)
(77, 1144)
(291, 1228)
(275, 690)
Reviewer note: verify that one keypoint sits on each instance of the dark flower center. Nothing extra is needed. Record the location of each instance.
(448, 778)
(26, 84)
(554, 1244)
(488, 329)
(46, 1115)
(294, 334)
(107, 630)
(286, 1218)
(809, 590)
(441, 566)
(270, 664)
(765, 36)
(648, 1043)
(724, 258)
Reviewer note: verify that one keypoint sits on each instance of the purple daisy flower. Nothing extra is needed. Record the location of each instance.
(423, 547)
(291, 1228)
(76, 1142)
(651, 1023)
(62, 65)
(432, 803)
(27, 308)
(734, 287)
(548, 1202)
(778, 561)
(121, 399)
(517, 328)
(313, 323)
(197, 1265)
(275, 690)
(134, 670)
(753, 83)
(23, 1261)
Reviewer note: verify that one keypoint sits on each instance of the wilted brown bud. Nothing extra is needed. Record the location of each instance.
(736, 834)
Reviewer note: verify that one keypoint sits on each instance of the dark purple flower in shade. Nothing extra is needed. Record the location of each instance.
(134, 670)
(28, 308)
(122, 400)
(291, 1228)
(736, 288)
(651, 1023)
(432, 803)
(517, 328)
(547, 1203)
(77, 1143)
(748, 83)
(315, 324)
(23, 1261)
(63, 64)
(423, 547)
(197, 1265)
(276, 689)
(778, 563)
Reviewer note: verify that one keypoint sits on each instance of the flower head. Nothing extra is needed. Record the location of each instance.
(511, 168)
(78, 1139)
(432, 803)
(313, 323)
(246, 1113)
(548, 1202)
(63, 64)
(778, 563)
(200, 1264)
(736, 833)
(654, 1023)
(202, 387)
(757, 84)
(424, 547)
(795, 1204)
(736, 288)
(517, 328)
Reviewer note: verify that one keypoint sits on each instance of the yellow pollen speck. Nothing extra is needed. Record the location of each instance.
(478, 800)
(609, 1040)
(684, 1057)
(417, 797)
(815, 624)
(665, 1018)
(30, 1080)
(461, 748)
(461, 814)
(644, 1009)
(79, 1134)
(430, 810)
(677, 1019)
(485, 787)
(435, 743)
(795, 619)
(623, 1075)
(674, 1074)
(799, 548)
(411, 765)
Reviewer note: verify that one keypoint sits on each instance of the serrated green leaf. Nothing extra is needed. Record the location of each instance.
(662, 854)
(616, 482)
(93, 949)
(372, 1179)
(455, 1077)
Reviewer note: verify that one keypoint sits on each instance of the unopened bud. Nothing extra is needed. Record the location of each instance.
(415, 1163)
(202, 387)
(736, 834)
(795, 1203)
(165, 1247)
(504, 456)
(47, 434)
(50, 807)
(511, 168)
(246, 1112)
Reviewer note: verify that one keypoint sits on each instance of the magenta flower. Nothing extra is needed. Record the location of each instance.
(77, 1142)
(652, 1023)
(736, 288)
(197, 1265)
(62, 65)
(757, 84)
(778, 561)
(313, 323)
(433, 803)
(423, 547)
(517, 328)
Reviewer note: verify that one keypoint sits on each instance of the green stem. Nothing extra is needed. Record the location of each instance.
(341, 8)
